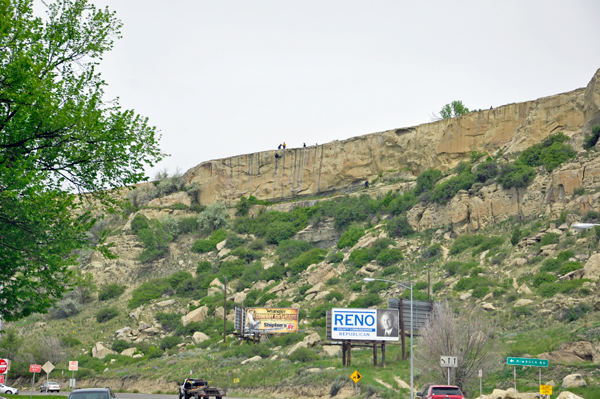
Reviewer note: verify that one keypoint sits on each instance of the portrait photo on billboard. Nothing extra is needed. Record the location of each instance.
(387, 323)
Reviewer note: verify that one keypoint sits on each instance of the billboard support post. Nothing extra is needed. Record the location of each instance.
(383, 354)
(375, 353)
(224, 308)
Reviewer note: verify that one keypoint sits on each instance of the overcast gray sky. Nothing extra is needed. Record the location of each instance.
(223, 78)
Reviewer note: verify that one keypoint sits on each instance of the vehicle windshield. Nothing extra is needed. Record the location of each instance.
(88, 395)
(445, 391)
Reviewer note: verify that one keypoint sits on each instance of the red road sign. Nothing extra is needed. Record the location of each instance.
(3, 366)
(73, 365)
(1, 378)
(35, 368)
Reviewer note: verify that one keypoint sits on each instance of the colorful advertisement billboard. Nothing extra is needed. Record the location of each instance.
(271, 320)
(364, 324)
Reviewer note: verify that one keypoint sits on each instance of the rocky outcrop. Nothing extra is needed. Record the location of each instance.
(573, 381)
(100, 351)
(343, 166)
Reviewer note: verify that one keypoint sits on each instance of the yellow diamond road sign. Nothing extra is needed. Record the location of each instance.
(546, 389)
(356, 376)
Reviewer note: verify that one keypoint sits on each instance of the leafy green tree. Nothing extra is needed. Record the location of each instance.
(84, 286)
(452, 110)
(57, 138)
(214, 217)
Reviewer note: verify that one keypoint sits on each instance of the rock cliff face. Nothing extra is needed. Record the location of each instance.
(343, 166)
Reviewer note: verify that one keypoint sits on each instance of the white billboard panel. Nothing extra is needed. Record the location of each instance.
(364, 324)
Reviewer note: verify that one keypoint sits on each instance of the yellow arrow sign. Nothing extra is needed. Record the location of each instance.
(546, 389)
(356, 376)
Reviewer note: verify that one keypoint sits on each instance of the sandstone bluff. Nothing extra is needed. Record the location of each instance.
(343, 166)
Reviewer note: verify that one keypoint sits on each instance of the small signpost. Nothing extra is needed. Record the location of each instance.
(448, 362)
(480, 384)
(34, 368)
(520, 361)
(47, 367)
(356, 377)
(73, 366)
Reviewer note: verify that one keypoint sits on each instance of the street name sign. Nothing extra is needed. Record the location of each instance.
(356, 376)
(35, 368)
(3, 366)
(519, 361)
(448, 361)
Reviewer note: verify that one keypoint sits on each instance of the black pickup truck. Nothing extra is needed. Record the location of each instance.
(198, 388)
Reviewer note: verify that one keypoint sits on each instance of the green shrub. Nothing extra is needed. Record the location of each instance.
(203, 267)
(452, 267)
(169, 321)
(69, 341)
(302, 290)
(106, 314)
(550, 265)
(515, 175)
(290, 249)
(591, 140)
(120, 345)
(541, 278)
(152, 289)
(444, 192)
(203, 246)
(110, 291)
(390, 270)
(279, 231)
(188, 225)
(233, 269)
(234, 241)
(257, 244)
(334, 294)
(388, 257)
(432, 251)
(177, 277)
(366, 301)
(480, 292)
(519, 311)
(303, 355)
(565, 256)
(465, 241)
(473, 282)
(486, 171)
(555, 155)
(426, 180)
(357, 286)
(516, 236)
(467, 267)
(154, 352)
(549, 238)
(359, 257)
(139, 222)
(332, 281)
(247, 255)
(301, 263)
(321, 310)
(569, 267)
(399, 227)
(169, 342)
(488, 243)
(438, 286)
(335, 257)
(350, 237)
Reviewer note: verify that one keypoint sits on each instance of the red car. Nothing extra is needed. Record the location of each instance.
(442, 392)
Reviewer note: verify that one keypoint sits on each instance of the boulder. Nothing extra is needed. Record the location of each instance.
(100, 351)
(561, 357)
(143, 326)
(591, 270)
(296, 346)
(510, 394)
(524, 290)
(332, 350)
(216, 283)
(497, 394)
(239, 297)
(316, 289)
(322, 274)
(168, 302)
(488, 306)
(568, 395)
(321, 295)
(312, 339)
(523, 302)
(251, 360)
(219, 312)
(322, 234)
(573, 381)
(465, 296)
(279, 288)
(221, 245)
(180, 197)
(214, 291)
(582, 349)
(129, 352)
(199, 337)
(198, 315)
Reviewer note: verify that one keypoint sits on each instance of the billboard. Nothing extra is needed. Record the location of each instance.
(270, 320)
(363, 324)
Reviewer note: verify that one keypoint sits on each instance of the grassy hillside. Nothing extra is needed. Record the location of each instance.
(509, 272)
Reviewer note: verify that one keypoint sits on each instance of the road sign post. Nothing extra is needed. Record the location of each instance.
(34, 368)
(520, 361)
(356, 377)
(73, 366)
(47, 367)
(480, 384)
(448, 362)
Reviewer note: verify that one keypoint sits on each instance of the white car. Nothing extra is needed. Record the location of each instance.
(50, 387)
(5, 389)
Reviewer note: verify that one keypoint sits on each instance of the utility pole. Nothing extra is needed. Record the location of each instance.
(224, 308)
